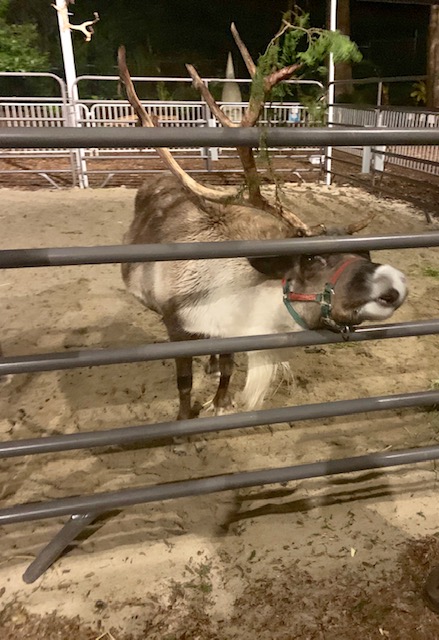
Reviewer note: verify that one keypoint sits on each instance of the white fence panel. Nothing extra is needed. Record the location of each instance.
(417, 157)
(32, 114)
(169, 114)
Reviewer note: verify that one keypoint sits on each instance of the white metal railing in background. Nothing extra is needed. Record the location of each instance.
(58, 112)
(420, 158)
(34, 111)
(35, 114)
(188, 113)
(119, 113)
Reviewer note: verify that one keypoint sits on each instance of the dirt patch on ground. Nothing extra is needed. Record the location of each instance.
(294, 604)
(311, 559)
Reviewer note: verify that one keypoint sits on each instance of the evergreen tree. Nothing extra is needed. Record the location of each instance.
(19, 49)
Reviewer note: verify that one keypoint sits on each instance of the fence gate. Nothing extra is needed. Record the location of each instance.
(82, 510)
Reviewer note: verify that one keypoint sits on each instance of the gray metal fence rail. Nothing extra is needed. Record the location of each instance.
(83, 510)
(71, 137)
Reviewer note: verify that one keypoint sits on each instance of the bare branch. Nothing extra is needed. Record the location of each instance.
(251, 67)
(280, 33)
(209, 99)
(166, 156)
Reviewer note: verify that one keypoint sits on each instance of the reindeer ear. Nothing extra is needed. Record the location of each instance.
(275, 267)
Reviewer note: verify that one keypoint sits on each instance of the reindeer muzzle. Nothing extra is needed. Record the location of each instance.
(324, 299)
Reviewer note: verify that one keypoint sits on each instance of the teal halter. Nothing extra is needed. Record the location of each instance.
(324, 299)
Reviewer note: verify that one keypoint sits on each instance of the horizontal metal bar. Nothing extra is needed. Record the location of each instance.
(38, 171)
(179, 79)
(59, 361)
(376, 80)
(107, 501)
(61, 256)
(150, 432)
(390, 154)
(86, 137)
(117, 172)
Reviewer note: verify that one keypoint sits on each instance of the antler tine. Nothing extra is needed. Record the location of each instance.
(132, 96)
(208, 97)
(187, 181)
(280, 75)
(355, 227)
(352, 228)
(251, 67)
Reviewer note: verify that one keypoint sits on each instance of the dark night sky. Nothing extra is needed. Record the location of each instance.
(162, 35)
(174, 32)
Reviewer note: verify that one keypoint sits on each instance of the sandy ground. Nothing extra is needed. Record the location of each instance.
(136, 572)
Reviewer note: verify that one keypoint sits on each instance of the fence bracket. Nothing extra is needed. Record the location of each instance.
(59, 543)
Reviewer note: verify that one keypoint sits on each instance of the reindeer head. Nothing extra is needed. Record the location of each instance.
(335, 290)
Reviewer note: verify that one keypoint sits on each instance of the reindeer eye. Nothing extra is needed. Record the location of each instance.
(316, 260)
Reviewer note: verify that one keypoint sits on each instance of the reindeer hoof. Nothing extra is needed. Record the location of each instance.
(211, 409)
(193, 412)
(225, 411)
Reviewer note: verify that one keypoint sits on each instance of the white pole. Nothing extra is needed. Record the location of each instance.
(331, 89)
(72, 88)
(67, 49)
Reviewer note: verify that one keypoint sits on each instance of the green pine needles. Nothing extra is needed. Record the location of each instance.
(301, 49)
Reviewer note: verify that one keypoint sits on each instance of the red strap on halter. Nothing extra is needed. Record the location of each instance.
(302, 297)
(312, 297)
(346, 263)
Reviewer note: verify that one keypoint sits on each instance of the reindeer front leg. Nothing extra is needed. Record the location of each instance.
(184, 370)
(223, 367)
(184, 384)
(222, 401)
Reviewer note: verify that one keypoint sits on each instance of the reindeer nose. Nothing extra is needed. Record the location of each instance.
(390, 296)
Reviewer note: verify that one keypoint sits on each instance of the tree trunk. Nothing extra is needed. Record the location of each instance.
(343, 70)
(433, 59)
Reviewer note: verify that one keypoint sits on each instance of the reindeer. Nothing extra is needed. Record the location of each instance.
(240, 296)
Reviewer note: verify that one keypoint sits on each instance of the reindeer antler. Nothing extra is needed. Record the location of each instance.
(251, 67)
(355, 227)
(208, 97)
(246, 154)
(164, 153)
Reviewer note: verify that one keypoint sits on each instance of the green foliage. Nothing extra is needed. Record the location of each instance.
(419, 93)
(4, 6)
(162, 91)
(18, 45)
(305, 47)
(316, 107)
(432, 272)
(326, 42)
